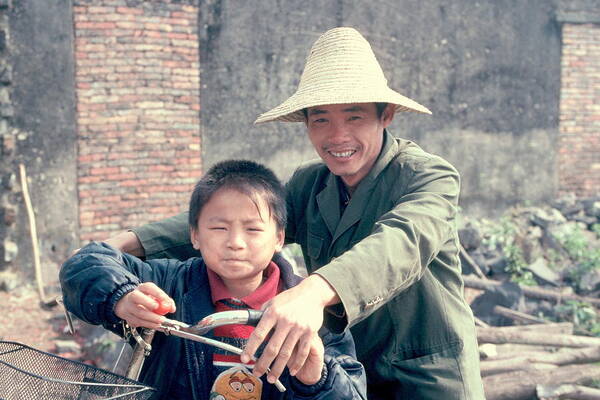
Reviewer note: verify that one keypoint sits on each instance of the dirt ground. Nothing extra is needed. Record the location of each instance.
(24, 320)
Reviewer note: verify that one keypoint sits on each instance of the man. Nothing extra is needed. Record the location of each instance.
(376, 222)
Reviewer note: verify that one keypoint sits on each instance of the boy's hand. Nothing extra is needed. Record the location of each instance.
(145, 306)
(310, 373)
(295, 317)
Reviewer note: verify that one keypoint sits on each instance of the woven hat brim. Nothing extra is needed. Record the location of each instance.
(291, 109)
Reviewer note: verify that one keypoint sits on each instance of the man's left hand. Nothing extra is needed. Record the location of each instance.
(295, 317)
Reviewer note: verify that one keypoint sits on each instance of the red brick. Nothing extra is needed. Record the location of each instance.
(130, 10)
(94, 25)
(105, 171)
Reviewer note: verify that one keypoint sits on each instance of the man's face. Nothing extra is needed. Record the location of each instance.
(348, 137)
(237, 238)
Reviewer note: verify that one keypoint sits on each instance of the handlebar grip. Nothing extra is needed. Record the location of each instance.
(163, 308)
(254, 317)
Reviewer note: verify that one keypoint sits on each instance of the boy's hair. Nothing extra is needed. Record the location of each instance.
(247, 177)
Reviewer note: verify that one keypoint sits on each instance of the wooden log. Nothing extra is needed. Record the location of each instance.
(33, 235)
(499, 335)
(572, 392)
(518, 316)
(469, 260)
(494, 367)
(508, 351)
(552, 327)
(487, 351)
(530, 291)
(480, 323)
(582, 355)
(538, 360)
(511, 350)
(521, 385)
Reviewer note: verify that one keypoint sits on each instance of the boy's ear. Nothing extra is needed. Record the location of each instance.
(194, 238)
(280, 240)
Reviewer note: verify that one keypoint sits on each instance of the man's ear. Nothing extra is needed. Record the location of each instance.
(387, 116)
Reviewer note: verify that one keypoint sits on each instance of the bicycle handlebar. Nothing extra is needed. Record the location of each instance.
(195, 332)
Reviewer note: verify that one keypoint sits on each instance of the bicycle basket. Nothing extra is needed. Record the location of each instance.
(27, 373)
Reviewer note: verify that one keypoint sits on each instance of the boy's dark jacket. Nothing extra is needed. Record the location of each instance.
(98, 276)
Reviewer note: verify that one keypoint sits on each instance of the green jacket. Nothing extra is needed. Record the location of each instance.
(392, 257)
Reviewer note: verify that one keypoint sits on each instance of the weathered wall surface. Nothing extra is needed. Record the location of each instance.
(8, 192)
(41, 130)
(489, 71)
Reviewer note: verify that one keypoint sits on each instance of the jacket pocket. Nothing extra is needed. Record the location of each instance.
(437, 375)
(314, 246)
(432, 356)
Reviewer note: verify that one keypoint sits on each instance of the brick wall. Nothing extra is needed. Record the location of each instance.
(137, 85)
(579, 127)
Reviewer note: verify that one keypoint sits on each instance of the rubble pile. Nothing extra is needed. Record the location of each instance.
(536, 275)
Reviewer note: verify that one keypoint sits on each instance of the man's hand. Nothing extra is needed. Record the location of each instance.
(295, 316)
(310, 373)
(127, 242)
(140, 307)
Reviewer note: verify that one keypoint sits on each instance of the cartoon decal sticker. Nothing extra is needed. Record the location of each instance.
(236, 383)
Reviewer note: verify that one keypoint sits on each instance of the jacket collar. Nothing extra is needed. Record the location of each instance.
(197, 303)
(328, 199)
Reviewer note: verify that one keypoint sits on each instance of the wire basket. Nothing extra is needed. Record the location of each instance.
(27, 374)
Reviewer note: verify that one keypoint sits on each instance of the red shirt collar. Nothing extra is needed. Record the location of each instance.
(265, 292)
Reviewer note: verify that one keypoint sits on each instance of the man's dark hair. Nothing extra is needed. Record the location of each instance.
(379, 107)
(247, 177)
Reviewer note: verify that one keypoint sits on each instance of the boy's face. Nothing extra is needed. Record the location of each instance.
(237, 238)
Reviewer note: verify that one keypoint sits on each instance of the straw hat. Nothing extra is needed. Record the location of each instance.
(341, 69)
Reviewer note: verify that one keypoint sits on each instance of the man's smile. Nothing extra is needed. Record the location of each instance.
(340, 154)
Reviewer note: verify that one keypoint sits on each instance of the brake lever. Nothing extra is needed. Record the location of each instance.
(210, 322)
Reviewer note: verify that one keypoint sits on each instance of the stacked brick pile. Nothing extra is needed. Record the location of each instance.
(579, 140)
(137, 85)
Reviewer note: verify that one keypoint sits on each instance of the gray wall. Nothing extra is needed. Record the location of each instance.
(489, 71)
(41, 54)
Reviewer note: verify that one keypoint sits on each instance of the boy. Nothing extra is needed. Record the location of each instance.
(237, 217)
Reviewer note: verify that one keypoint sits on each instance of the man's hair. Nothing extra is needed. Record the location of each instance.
(379, 107)
(247, 177)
